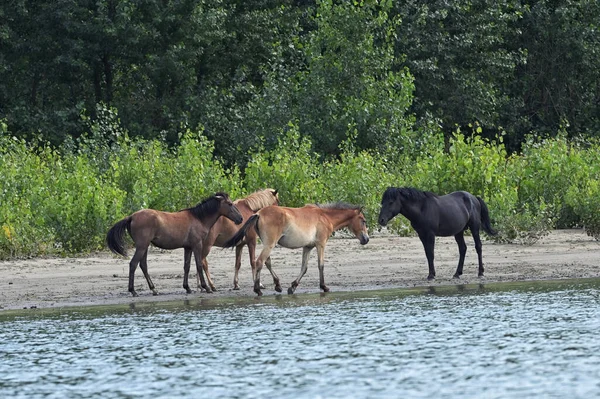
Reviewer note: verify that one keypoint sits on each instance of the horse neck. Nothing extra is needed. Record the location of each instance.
(209, 220)
(243, 207)
(411, 209)
(339, 218)
(261, 204)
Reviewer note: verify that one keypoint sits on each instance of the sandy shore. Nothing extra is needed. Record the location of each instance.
(386, 261)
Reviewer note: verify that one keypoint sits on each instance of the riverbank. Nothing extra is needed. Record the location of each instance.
(385, 262)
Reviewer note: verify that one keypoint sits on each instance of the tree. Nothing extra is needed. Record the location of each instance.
(560, 82)
(462, 57)
(337, 75)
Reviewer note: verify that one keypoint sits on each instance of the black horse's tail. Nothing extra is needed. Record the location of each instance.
(485, 218)
(114, 237)
(239, 236)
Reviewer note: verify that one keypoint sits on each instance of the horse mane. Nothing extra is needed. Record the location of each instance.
(209, 206)
(260, 199)
(407, 193)
(338, 205)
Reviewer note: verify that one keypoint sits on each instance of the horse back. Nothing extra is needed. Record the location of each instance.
(451, 213)
(168, 230)
(290, 227)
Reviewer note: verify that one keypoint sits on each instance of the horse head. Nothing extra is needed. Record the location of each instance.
(391, 205)
(228, 209)
(274, 192)
(358, 226)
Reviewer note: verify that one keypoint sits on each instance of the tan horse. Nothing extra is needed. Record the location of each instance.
(307, 227)
(224, 229)
(170, 230)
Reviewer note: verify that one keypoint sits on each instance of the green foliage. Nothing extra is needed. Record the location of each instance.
(291, 168)
(55, 202)
(352, 81)
(583, 194)
(79, 205)
(242, 70)
(559, 84)
(357, 177)
(463, 59)
(22, 194)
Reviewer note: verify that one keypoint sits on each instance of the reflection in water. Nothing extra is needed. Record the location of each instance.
(458, 341)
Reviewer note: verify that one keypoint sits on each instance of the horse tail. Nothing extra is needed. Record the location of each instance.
(241, 234)
(114, 237)
(485, 218)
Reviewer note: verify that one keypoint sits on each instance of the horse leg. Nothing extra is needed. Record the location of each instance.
(187, 258)
(478, 248)
(252, 253)
(137, 257)
(208, 278)
(428, 240)
(144, 267)
(238, 264)
(199, 259)
(305, 254)
(321, 261)
(462, 250)
(198, 276)
(264, 255)
(274, 275)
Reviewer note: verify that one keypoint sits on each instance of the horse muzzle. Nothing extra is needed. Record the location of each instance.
(364, 239)
(382, 221)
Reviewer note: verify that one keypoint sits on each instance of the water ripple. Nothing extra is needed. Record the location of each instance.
(495, 345)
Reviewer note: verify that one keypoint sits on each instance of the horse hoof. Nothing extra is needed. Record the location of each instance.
(213, 288)
(278, 288)
(155, 293)
(480, 275)
(456, 276)
(325, 289)
(258, 292)
(236, 288)
(262, 287)
(290, 291)
(133, 293)
(209, 291)
(430, 277)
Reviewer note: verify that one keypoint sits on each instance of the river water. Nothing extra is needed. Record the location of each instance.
(521, 340)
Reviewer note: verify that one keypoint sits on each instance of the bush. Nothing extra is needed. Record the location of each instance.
(292, 168)
(58, 202)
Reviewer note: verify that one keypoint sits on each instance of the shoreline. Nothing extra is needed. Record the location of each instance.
(387, 262)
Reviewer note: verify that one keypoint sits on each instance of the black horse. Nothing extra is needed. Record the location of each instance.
(432, 215)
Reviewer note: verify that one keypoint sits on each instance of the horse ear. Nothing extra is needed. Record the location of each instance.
(274, 192)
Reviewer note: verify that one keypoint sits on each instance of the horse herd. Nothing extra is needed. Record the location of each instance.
(201, 227)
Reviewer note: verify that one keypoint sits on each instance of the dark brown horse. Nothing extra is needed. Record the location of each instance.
(307, 227)
(432, 215)
(185, 229)
(224, 229)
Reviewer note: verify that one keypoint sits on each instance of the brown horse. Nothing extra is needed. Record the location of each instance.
(224, 229)
(307, 227)
(185, 229)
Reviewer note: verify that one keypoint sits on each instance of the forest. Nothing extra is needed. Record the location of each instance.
(122, 105)
(241, 70)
